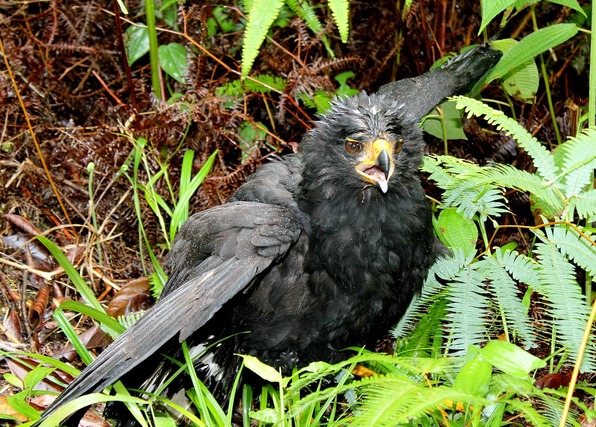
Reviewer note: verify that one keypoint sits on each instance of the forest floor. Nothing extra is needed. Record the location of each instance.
(79, 114)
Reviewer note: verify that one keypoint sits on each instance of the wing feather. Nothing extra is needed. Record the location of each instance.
(234, 243)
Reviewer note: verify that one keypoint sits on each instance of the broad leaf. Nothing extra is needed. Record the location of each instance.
(173, 60)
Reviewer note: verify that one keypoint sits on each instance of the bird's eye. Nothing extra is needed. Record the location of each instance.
(352, 146)
(398, 144)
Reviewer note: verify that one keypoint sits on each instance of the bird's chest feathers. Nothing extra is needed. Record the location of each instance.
(366, 244)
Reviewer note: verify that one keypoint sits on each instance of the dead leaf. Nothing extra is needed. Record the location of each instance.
(553, 381)
(132, 297)
(6, 409)
(38, 308)
(362, 371)
(91, 338)
(22, 366)
(12, 327)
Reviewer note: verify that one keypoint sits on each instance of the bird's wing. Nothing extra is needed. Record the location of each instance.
(236, 242)
(457, 76)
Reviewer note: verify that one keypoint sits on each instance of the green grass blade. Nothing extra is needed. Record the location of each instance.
(72, 336)
(180, 213)
(82, 288)
(107, 322)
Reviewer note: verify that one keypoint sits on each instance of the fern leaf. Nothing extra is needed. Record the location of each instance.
(306, 12)
(521, 267)
(446, 268)
(260, 18)
(505, 293)
(428, 330)
(439, 174)
(130, 319)
(567, 305)
(467, 311)
(575, 246)
(340, 9)
(265, 83)
(488, 202)
(529, 413)
(552, 203)
(391, 402)
(584, 205)
(543, 160)
(579, 162)
(539, 410)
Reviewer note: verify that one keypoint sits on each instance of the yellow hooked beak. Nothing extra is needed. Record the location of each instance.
(377, 166)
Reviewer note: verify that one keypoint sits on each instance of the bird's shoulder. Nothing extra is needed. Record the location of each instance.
(258, 224)
(274, 183)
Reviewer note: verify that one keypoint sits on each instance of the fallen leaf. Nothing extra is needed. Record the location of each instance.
(132, 297)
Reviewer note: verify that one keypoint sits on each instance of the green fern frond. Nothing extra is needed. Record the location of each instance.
(467, 310)
(529, 413)
(505, 294)
(521, 267)
(488, 202)
(578, 163)
(130, 319)
(584, 205)
(340, 10)
(438, 173)
(448, 167)
(578, 248)
(421, 336)
(264, 83)
(261, 15)
(306, 12)
(445, 268)
(567, 305)
(537, 414)
(391, 402)
(510, 177)
(465, 187)
(543, 160)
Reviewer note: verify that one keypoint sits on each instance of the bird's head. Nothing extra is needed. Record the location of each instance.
(362, 143)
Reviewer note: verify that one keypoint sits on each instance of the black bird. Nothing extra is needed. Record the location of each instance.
(316, 252)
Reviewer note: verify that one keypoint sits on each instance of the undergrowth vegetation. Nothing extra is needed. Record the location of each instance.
(502, 333)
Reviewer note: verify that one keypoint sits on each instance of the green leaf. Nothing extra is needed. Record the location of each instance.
(542, 158)
(267, 415)
(474, 377)
(181, 210)
(164, 422)
(491, 8)
(445, 124)
(13, 380)
(573, 4)
(534, 44)
(84, 401)
(36, 375)
(265, 83)
(250, 134)
(108, 323)
(82, 288)
(136, 40)
(344, 88)
(511, 359)
(340, 9)
(263, 370)
(260, 18)
(306, 11)
(19, 404)
(522, 81)
(173, 60)
(458, 231)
